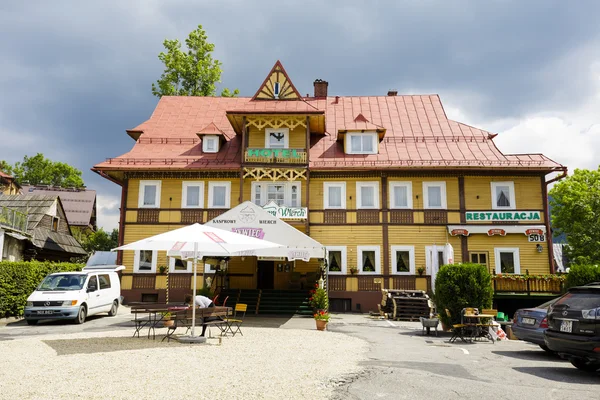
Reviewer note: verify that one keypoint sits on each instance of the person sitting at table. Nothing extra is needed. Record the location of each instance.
(202, 302)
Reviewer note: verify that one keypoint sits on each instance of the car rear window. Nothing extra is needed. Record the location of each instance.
(579, 300)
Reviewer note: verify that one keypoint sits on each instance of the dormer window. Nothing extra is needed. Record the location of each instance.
(361, 143)
(277, 138)
(276, 90)
(210, 144)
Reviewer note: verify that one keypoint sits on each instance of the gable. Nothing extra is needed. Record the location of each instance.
(277, 86)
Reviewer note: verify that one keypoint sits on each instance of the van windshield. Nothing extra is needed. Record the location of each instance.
(63, 282)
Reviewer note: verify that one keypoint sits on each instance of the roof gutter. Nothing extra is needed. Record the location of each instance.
(547, 217)
(106, 176)
(558, 178)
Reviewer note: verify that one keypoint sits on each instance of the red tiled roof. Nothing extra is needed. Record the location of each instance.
(210, 129)
(418, 134)
(6, 176)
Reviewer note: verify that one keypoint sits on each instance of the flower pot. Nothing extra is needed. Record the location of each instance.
(321, 324)
(168, 323)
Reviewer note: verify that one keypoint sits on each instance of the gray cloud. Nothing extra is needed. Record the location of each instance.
(75, 75)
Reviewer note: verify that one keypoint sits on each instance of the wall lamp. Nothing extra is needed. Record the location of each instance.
(539, 248)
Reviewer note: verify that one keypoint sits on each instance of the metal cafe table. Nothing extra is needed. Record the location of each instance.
(476, 328)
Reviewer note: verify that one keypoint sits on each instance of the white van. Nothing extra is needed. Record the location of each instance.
(76, 295)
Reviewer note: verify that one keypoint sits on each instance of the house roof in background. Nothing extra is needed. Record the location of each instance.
(79, 204)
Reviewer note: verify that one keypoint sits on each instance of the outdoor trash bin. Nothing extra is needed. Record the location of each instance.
(429, 323)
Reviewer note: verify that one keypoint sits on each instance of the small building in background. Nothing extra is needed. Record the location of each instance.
(35, 227)
(8, 185)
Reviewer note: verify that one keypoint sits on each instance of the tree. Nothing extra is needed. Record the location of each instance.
(575, 205)
(39, 170)
(5, 167)
(191, 73)
(100, 241)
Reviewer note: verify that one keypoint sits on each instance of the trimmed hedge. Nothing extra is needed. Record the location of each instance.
(19, 279)
(458, 286)
(582, 274)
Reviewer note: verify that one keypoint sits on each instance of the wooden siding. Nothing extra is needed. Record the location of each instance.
(528, 192)
(297, 140)
(530, 259)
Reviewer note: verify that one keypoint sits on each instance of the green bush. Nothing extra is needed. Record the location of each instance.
(19, 279)
(582, 274)
(458, 286)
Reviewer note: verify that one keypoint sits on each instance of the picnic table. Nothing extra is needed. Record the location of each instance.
(183, 319)
(150, 315)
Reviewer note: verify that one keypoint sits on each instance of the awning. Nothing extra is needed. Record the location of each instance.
(492, 230)
(16, 235)
(251, 220)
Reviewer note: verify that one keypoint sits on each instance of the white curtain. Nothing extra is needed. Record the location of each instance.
(219, 193)
(434, 196)
(335, 196)
(193, 196)
(367, 196)
(402, 261)
(435, 262)
(149, 195)
(335, 260)
(400, 196)
(448, 254)
(368, 261)
(503, 196)
(367, 143)
(355, 143)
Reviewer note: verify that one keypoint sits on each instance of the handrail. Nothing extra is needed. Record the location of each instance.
(13, 219)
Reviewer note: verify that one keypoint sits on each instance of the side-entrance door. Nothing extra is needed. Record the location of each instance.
(266, 275)
(94, 300)
(434, 259)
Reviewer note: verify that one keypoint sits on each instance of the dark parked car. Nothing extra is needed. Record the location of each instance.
(529, 324)
(574, 327)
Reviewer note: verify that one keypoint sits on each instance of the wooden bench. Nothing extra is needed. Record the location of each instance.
(149, 315)
(183, 319)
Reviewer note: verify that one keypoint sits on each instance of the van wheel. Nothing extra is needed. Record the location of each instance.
(113, 309)
(582, 365)
(81, 315)
(31, 321)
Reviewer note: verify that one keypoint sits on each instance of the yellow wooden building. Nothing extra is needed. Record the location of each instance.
(388, 184)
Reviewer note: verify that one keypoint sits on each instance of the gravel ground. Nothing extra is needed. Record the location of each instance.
(265, 363)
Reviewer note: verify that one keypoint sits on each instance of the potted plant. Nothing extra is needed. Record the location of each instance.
(353, 270)
(319, 301)
(321, 318)
(162, 269)
(167, 321)
(420, 271)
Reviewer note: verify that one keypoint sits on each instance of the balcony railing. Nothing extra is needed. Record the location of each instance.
(275, 156)
(527, 284)
(13, 219)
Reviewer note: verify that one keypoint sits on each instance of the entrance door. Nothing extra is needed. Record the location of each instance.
(266, 275)
(434, 259)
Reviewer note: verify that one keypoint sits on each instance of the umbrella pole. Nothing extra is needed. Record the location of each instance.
(194, 295)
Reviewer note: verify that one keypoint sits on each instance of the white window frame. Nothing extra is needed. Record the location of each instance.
(359, 251)
(184, 189)
(349, 137)
(209, 138)
(136, 263)
(172, 270)
(211, 188)
(344, 260)
(409, 200)
(516, 256)
(326, 186)
(287, 192)
(143, 184)
(411, 255)
(375, 186)
(426, 186)
(511, 186)
(286, 139)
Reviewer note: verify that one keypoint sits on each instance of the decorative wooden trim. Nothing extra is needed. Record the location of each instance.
(180, 174)
(276, 121)
(439, 217)
(384, 203)
(147, 215)
(546, 212)
(335, 217)
(192, 215)
(275, 174)
(461, 199)
(401, 217)
(124, 188)
(367, 217)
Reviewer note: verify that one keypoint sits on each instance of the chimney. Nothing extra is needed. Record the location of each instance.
(321, 88)
(392, 92)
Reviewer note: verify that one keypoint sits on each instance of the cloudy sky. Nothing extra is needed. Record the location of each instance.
(74, 75)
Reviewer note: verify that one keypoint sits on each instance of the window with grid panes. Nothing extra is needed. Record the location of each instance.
(479, 258)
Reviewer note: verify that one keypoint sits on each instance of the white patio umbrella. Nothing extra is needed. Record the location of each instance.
(197, 239)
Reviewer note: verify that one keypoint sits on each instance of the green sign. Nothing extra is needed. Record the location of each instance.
(283, 212)
(489, 216)
(268, 153)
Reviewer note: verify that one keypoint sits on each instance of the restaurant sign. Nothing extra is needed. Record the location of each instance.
(459, 231)
(268, 153)
(488, 216)
(283, 212)
(496, 231)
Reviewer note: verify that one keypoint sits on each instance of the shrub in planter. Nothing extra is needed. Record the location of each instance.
(582, 274)
(462, 285)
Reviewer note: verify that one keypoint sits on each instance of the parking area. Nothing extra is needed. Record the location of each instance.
(404, 364)
(358, 357)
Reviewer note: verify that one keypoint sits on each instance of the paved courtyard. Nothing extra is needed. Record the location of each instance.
(358, 358)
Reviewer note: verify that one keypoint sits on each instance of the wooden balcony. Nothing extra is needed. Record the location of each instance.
(143, 281)
(148, 216)
(192, 216)
(334, 217)
(215, 212)
(337, 283)
(13, 219)
(275, 156)
(401, 217)
(528, 284)
(367, 216)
